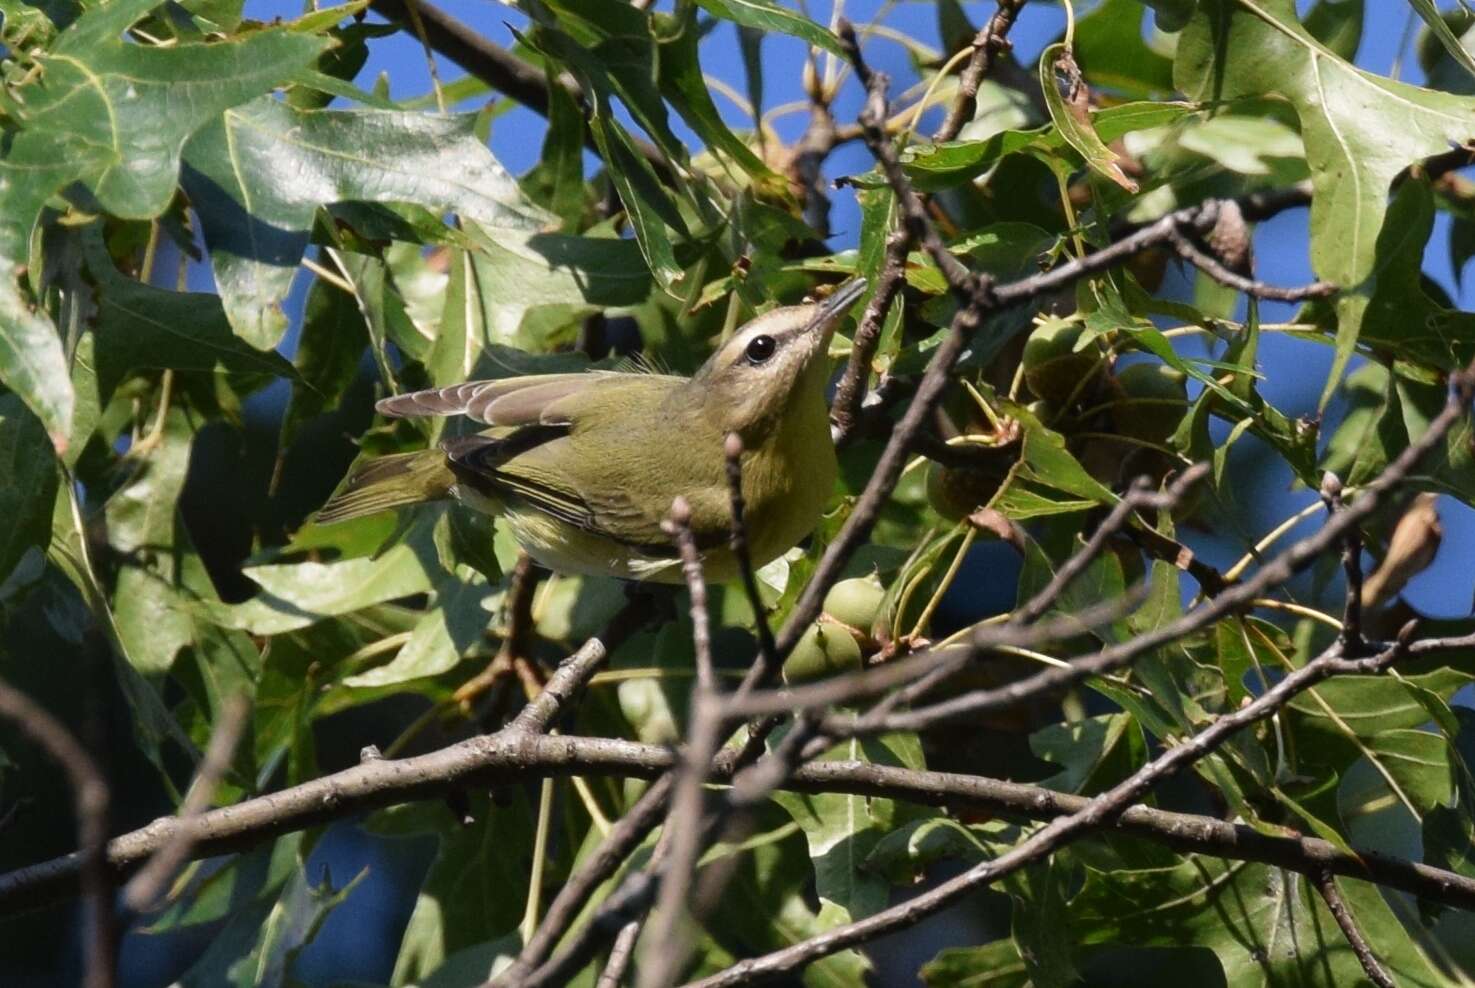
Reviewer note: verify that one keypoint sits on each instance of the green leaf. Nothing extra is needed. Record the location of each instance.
(1360, 132)
(293, 922)
(329, 348)
(1112, 52)
(135, 105)
(996, 965)
(564, 277)
(683, 84)
(258, 173)
(452, 625)
(1172, 14)
(557, 180)
(939, 166)
(1451, 466)
(115, 117)
(1058, 80)
(842, 830)
(477, 885)
(32, 362)
(1267, 926)
(612, 50)
(649, 208)
(260, 943)
(295, 595)
(1047, 480)
(1338, 25)
(1369, 705)
(151, 605)
(1400, 315)
(768, 15)
(28, 495)
(1084, 748)
(462, 333)
(139, 326)
(1440, 29)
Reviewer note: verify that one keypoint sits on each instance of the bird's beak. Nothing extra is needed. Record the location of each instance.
(829, 312)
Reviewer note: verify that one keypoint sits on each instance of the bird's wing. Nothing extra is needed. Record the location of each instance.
(529, 464)
(505, 401)
(521, 465)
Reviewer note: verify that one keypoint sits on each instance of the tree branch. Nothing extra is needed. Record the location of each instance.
(1272, 574)
(1097, 814)
(845, 409)
(683, 827)
(91, 797)
(497, 67)
(504, 758)
(990, 42)
(144, 889)
(1326, 885)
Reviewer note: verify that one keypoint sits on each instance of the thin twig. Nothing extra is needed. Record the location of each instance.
(145, 888)
(684, 821)
(1326, 884)
(620, 954)
(767, 650)
(1212, 267)
(1272, 574)
(990, 42)
(851, 390)
(90, 796)
(1097, 814)
(1140, 496)
(570, 677)
(505, 758)
(498, 67)
(1351, 630)
(627, 834)
(522, 588)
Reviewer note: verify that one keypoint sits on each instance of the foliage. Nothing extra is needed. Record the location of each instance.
(163, 449)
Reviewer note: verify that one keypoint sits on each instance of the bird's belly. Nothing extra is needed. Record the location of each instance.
(566, 548)
(785, 506)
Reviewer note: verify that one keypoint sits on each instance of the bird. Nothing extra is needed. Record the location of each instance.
(585, 467)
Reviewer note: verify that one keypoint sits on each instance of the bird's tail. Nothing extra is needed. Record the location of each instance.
(390, 482)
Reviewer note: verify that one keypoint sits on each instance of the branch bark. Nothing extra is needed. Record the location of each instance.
(505, 758)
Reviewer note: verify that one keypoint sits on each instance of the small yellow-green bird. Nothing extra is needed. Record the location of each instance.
(584, 467)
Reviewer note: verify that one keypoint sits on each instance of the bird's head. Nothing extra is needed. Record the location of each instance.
(750, 381)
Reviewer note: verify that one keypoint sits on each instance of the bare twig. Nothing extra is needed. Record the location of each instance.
(496, 66)
(846, 688)
(620, 954)
(1097, 814)
(845, 409)
(1215, 269)
(990, 42)
(684, 821)
(1140, 496)
(521, 589)
(506, 757)
(1351, 633)
(91, 797)
(144, 889)
(1273, 573)
(626, 835)
(806, 164)
(570, 677)
(767, 650)
(1326, 884)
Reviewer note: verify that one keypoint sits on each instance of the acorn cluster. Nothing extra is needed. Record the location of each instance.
(837, 642)
(1117, 420)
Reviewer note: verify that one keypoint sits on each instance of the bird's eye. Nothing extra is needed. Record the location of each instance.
(760, 348)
